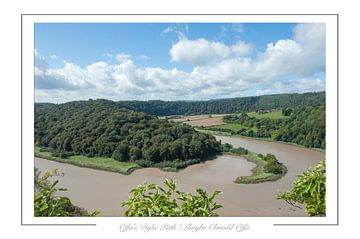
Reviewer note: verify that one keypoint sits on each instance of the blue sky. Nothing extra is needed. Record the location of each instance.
(181, 61)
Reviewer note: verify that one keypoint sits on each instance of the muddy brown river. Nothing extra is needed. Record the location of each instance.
(104, 191)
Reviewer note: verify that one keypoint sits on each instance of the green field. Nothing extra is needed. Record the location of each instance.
(277, 114)
(107, 164)
(234, 127)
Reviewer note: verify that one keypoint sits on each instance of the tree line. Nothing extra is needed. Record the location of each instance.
(226, 106)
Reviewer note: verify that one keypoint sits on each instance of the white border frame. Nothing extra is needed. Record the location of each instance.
(331, 21)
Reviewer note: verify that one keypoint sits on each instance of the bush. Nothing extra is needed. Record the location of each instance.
(239, 151)
(61, 154)
(269, 157)
(144, 163)
(273, 166)
(226, 147)
(309, 189)
(47, 204)
(151, 200)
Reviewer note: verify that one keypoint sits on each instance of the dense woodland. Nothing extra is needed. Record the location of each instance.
(103, 128)
(226, 106)
(305, 126)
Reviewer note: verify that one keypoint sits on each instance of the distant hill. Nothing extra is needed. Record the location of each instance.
(226, 106)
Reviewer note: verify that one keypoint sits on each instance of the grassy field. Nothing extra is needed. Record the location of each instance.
(107, 164)
(277, 114)
(258, 173)
(234, 127)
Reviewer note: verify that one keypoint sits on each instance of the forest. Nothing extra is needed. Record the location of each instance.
(103, 128)
(226, 106)
(304, 126)
(129, 131)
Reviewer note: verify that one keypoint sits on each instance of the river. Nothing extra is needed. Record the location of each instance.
(104, 191)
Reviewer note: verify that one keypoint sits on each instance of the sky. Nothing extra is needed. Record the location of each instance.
(176, 61)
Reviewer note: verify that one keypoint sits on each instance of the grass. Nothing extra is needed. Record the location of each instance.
(212, 132)
(258, 173)
(277, 114)
(234, 127)
(107, 164)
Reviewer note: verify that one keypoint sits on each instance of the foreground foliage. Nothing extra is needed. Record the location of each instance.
(309, 189)
(151, 200)
(47, 204)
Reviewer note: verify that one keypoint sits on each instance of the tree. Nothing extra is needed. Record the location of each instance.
(309, 189)
(152, 154)
(286, 111)
(121, 153)
(151, 200)
(135, 153)
(67, 144)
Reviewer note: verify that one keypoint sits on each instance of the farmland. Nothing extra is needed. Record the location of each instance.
(202, 120)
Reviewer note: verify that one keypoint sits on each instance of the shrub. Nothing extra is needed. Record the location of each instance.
(226, 147)
(309, 189)
(239, 151)
(269, 157)
(273, 166)
(151, 200)
(47, 204)
(61, 154)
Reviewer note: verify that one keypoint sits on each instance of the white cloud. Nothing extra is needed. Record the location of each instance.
(301, 85)
(288, 65)
(303, 55)
(241, 48)
(202, 51)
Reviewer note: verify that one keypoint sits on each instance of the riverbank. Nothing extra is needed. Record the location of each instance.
(258, 175)
(104, 191)
(106, 164)
(112, 165)
(219, 133)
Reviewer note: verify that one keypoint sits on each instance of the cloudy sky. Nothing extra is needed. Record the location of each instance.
(192, 61)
